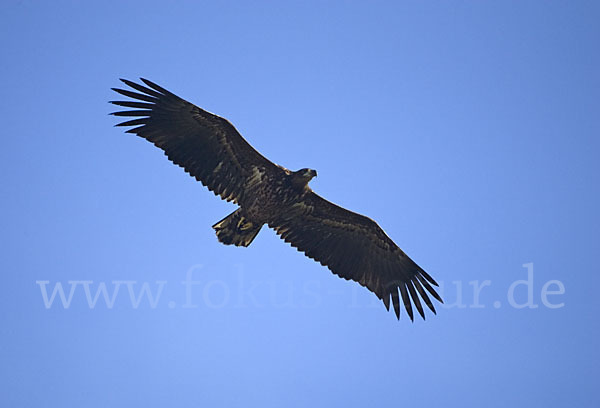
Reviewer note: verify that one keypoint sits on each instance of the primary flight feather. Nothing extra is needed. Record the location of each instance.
(210, 149)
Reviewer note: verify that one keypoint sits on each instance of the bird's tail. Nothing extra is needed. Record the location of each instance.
(236, 229)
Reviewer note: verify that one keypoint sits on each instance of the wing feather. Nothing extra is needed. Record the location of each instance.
(406, 300)
(207, 146)
(423, 294)
(354, 247)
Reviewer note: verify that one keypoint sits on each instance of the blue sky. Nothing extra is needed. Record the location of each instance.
(468, 130)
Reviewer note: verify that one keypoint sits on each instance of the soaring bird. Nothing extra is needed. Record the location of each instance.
(210, 149)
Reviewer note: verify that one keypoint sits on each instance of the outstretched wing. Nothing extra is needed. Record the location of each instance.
(354, 247)
(207, 146)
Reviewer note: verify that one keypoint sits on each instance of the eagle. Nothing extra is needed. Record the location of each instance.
(211, 150)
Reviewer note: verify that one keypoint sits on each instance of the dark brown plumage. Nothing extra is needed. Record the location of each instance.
(210, 149)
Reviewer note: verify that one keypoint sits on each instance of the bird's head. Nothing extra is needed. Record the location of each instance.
(303, 176)
(307, 174)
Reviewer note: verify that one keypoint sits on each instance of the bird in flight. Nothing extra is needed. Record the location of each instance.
(211, 150)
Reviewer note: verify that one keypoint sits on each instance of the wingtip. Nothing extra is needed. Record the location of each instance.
(128, 82)
(428, 277)
(386, 302)
(406, 301)
(156, 87)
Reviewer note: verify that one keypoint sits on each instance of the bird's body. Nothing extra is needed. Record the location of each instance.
(270, 197)
(210, 149)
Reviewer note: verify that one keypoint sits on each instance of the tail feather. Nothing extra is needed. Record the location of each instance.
(235, 229)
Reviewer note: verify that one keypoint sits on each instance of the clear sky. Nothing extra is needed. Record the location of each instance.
(468, 129)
